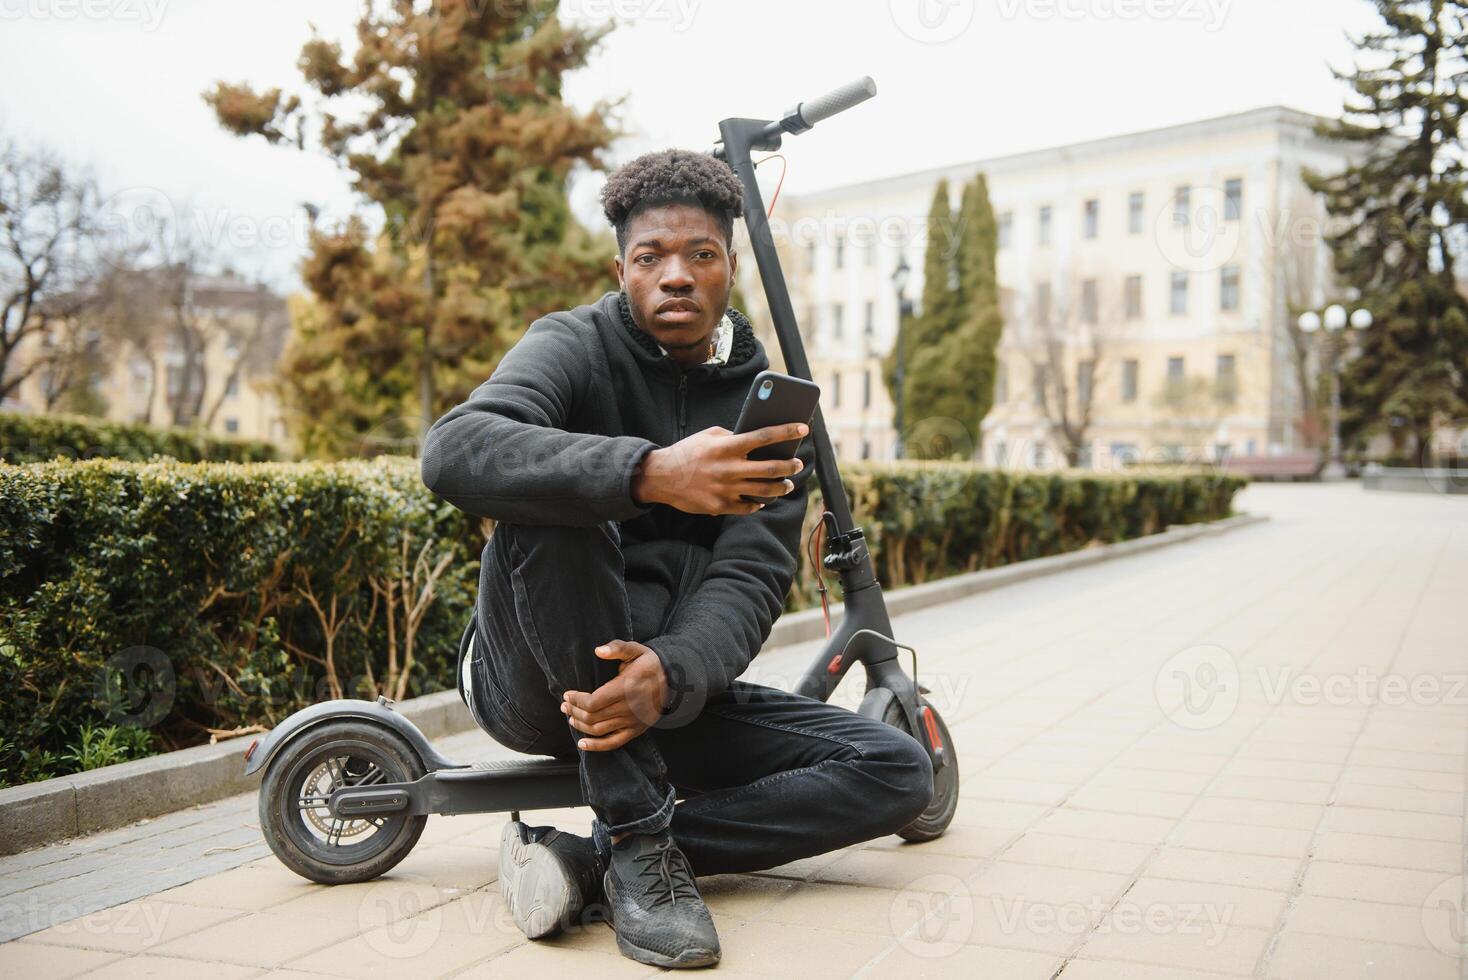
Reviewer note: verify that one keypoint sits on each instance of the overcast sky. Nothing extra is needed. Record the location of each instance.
(114, 85)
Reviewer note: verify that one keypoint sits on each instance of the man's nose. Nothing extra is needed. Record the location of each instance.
(676, 275)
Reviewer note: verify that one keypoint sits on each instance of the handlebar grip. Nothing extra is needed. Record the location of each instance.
(839, 100)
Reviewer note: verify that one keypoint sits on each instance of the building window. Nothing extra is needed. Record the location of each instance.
(1039, 456)
(1225, 380)
(1006, 229)
(1088, 301)
(1134, 217)
(1228, 287)
(1129, 380)
(232, 389)
(1039, 382)
(809, 320)
(1042, 304)
(836, 325)
(1124, 453)
(810, 257)
(1233, 199)
(869, 254)
(866, 449)
(1133, 297)
(1045, 225)
(1092, 223)
(836, 389)
(866, 388)
(231, 425)
(175, 381)
(1179, 292)
(869, 319)
(1181, 205)
(1001, 384)
(840, 260)
(1085, 376)
(1174, 370)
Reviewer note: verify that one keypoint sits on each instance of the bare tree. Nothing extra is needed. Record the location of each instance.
(255, 323)
(1068, 349)
(46, 212)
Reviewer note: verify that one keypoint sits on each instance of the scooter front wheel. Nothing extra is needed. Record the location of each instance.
(298, 782)
(933, 821)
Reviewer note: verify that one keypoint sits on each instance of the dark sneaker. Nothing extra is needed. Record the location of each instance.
(655, 906)
(547, 877)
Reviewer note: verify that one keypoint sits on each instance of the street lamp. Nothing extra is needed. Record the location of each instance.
(904, 310)
(1334, 320)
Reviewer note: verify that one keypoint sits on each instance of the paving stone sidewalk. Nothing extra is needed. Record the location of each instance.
(1241, 756)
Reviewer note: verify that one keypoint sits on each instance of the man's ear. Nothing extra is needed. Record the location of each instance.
(617, 266)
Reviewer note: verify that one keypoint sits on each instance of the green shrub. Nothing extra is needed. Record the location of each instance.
(147, 606)
(28, 438)
(196, 598)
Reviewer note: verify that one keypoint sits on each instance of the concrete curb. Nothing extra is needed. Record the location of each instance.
(69, 806)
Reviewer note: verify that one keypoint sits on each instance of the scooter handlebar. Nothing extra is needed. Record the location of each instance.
(838, 100)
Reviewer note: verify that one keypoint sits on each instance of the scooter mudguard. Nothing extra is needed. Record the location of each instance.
(372, 711)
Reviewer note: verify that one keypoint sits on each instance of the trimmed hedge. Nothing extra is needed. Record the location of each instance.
(144, 606)
(26, 438)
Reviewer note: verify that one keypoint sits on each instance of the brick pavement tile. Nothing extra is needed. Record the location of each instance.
(1223, 809)
(1301, 956)
(242, 939)
(1410, 761)
(1445, 857)
(248, 888)
(775, 948)
(1060, 851)
(746, 896)
(35, 961)
(996, 815)
(1096, 825)
(1442, 782)
(1320, 772)
(1255, 907)
(885, 869)
(1402, 798)
(1089, 969)
(132, 927)
(1037, 883)
(974, 842)
(965, 961)
(1032, 769)
(1398, 886)
(370, 903)
(1244, 870)
(1391, 823)
(422, 946)
(1238, 838)
(150, 967)
(547, 962)
(1354, 919)
(1278, 790)
(1231, 949)
(1014, 790)
(1171, 761)
(1141, 802)
(1165, 781)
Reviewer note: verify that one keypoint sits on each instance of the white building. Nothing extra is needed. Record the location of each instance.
(1165, 263)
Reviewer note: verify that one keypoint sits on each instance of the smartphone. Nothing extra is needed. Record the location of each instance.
(777, 399)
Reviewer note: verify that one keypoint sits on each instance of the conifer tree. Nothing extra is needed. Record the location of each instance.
(1400, 217)
(450, 119)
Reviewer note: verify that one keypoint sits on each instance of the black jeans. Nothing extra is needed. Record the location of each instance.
(766, 776)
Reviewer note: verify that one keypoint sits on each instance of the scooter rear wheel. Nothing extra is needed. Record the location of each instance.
(299, 780)
(935, 819)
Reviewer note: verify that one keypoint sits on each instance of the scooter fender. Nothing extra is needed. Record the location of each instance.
(378, 712)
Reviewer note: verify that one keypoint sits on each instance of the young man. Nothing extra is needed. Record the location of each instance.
(629, 582)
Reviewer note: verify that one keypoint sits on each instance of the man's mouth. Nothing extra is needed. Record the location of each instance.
(678, 311)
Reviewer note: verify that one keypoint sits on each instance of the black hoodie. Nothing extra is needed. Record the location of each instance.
(554, 436)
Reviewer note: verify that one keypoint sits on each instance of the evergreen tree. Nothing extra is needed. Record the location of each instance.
(1400, 216)
(950, 347)
(462, 139)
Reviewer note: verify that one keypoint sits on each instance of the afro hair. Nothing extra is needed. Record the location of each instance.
(672, 177)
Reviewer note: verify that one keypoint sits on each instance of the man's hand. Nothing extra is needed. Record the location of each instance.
(625, 706)
(707, 472)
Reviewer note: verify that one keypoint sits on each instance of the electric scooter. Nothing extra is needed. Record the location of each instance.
(348, 784)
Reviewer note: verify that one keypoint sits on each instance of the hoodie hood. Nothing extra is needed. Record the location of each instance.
(746, 354)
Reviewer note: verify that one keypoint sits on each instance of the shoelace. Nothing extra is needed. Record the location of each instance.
(669, 870)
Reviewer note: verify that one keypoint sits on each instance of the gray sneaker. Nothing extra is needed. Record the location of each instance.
(655, 906)
(547, 877)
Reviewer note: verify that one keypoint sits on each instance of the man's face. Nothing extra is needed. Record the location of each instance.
(678, 273)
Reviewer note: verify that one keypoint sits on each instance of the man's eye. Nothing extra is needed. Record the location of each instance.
(645, 255)
(704, 254)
